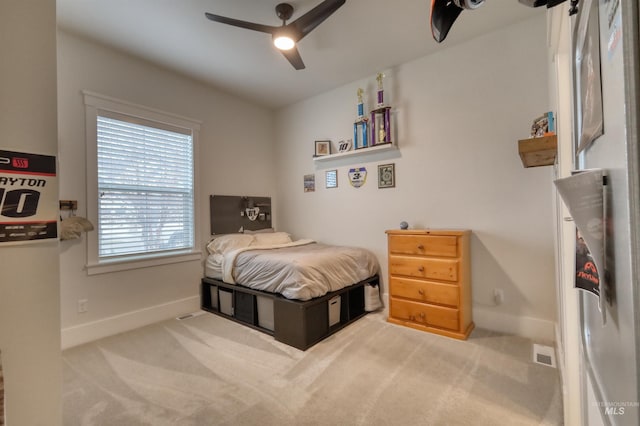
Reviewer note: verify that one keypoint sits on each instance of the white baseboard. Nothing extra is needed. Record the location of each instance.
(532, 328)
(84, 333)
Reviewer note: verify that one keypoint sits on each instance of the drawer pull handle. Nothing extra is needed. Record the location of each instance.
(421, 292)
(421, 269)
(420, 247)
(422, 315)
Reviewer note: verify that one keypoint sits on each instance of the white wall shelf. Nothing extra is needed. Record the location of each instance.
(356, 152)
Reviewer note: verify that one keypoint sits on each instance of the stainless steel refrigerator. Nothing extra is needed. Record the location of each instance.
(610, 327)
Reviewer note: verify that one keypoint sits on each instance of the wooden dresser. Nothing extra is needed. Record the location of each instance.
(430, 281)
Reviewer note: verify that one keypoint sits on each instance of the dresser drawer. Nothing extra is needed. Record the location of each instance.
(437, 269)
(425, 291)
(428, 245)
(424, 314)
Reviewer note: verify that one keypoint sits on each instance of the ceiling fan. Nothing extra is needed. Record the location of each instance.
(287, 36)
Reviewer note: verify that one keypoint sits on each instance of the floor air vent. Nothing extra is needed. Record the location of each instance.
(544, 355)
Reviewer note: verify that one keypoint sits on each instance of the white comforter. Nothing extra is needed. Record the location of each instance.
(300, 270)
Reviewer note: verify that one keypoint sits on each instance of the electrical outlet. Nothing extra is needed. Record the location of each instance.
(82, 306)
(498, 296)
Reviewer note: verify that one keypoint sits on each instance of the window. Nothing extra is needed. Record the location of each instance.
(142, 186)
(145, 189)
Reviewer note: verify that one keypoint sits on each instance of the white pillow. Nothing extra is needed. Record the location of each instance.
(271, 238)
(258, 231)
(226, 243)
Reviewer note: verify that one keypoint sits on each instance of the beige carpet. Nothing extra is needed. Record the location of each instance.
(210, 371)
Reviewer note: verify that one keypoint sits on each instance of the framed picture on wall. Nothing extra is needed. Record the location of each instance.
(331, 178)
(387, 175)
(322, 148)
(309, 183)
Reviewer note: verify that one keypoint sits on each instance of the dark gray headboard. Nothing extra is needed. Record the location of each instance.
(228, 213)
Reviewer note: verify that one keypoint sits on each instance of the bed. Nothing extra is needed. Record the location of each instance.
(272, 262)
(299, 291)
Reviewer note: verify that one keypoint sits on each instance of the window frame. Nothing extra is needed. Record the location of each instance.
(96, 105)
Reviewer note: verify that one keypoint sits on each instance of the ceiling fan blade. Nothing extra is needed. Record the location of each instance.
(307, 22)
(443, 14)
(294, 57)
(242, 24)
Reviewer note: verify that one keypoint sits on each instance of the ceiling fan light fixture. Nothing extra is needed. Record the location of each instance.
(283, 42)
(287, 36)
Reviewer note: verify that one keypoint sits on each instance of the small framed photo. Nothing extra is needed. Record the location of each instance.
(322, 148)
(387, 175)
(309, 183)
(331, 178)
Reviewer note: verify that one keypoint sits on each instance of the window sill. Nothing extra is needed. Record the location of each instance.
(142, 262)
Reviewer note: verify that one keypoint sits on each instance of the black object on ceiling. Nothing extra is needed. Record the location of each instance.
(294, 31)
(445, 12)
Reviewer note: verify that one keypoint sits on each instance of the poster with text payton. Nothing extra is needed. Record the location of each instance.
(28, 197)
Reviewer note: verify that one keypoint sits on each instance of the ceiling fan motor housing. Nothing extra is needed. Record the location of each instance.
(284, 11)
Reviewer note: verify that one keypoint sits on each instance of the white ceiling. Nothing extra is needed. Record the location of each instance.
(358, 40)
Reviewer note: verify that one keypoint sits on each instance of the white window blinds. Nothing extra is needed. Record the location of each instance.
(145, 187)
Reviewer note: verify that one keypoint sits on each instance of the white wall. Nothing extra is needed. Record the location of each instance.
(235, 158)
(458, 116)
(30, 284)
